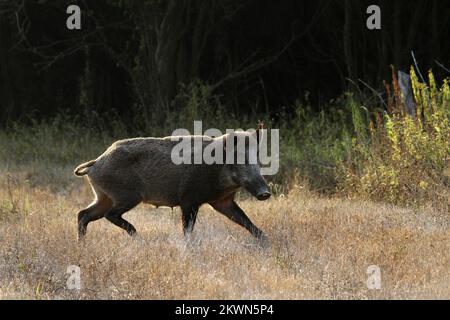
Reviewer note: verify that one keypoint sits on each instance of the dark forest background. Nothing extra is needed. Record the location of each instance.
(256, 56)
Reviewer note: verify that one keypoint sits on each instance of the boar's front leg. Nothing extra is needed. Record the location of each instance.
(230, 209)
(189, 216)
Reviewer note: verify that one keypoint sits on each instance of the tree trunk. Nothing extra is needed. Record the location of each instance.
(170, 49)
(397, 47)
(181, 42)
(347, 40)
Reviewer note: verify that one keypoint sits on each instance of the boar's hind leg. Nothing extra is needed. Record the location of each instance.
(189, 216)
(115, 216)
(94, 212)
(230, 209)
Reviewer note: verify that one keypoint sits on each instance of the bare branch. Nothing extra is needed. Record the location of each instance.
(442, 66)
(417, 67)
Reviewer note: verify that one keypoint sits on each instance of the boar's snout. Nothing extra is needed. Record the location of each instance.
(249, 177)
(259, 190)
(263, 195)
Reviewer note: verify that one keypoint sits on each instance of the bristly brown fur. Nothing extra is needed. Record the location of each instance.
(139, 170)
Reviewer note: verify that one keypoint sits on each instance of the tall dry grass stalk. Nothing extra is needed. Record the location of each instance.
(320, 248)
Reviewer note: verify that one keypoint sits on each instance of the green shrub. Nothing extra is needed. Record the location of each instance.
(406, 157)
(311, 145)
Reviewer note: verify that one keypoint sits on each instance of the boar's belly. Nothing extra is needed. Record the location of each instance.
(161, 199)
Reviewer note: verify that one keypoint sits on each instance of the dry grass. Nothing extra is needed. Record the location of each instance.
(320, 248)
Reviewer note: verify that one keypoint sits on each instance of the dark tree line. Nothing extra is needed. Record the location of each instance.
(256, 55)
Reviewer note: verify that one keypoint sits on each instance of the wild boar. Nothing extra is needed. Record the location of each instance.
(139, 170)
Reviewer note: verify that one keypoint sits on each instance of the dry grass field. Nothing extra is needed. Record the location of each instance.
(320, 248)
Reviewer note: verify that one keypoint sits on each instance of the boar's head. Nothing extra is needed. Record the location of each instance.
(242, 162)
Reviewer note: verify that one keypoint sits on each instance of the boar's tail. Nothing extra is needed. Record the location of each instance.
(82, 169)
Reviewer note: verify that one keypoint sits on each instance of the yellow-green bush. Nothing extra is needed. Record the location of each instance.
(405, 160)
